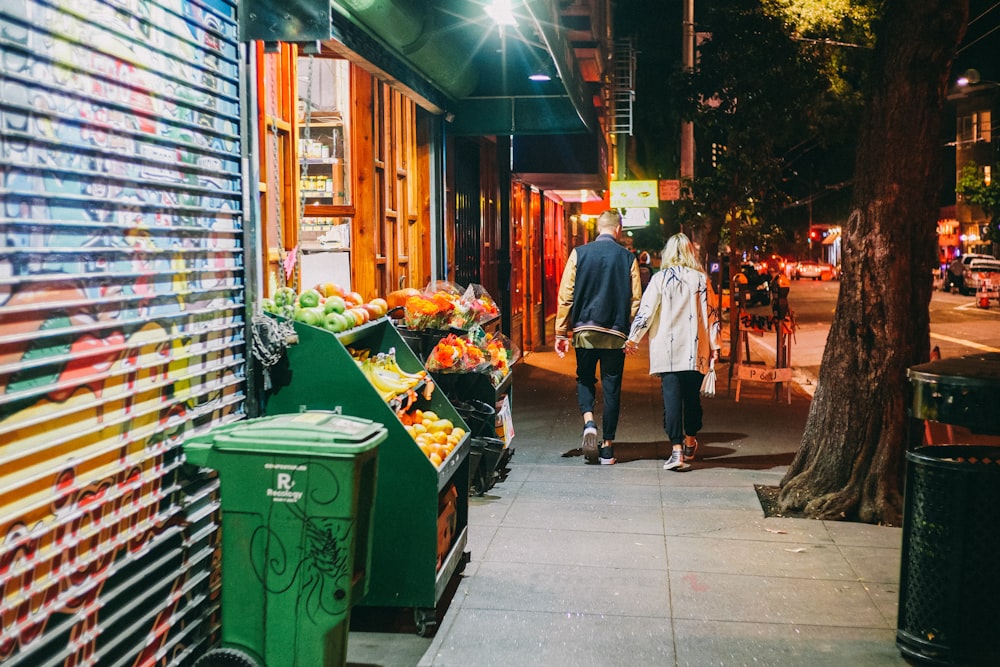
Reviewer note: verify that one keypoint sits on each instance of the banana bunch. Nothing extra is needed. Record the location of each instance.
(385, 374)
(387, 360)
(387, 383)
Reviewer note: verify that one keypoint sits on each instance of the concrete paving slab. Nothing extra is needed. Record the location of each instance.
(577, 547)
(700, 644)
(601, 589)
(592, 516)
(702, 474)
(886, 597)
(679, 498)
(850, 533)
(772, 599)
(385, 649)
(488, 638)
(873, 564)
(800, 560)
(734, 524)
(598, 490)
(646, 473)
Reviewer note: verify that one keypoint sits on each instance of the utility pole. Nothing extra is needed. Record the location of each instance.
(687, 127)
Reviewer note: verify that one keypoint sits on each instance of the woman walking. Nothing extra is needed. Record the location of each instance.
(683, 343)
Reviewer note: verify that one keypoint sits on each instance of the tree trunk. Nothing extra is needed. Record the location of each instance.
(851, 461)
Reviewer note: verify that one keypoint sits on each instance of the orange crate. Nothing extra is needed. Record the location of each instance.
(447, 522)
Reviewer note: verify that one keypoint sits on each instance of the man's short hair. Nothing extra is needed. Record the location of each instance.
(609, 221)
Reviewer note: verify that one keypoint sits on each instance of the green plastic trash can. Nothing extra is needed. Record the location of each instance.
(297, 495)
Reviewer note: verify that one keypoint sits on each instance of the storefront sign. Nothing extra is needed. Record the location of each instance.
(670, 190)
(634, 194)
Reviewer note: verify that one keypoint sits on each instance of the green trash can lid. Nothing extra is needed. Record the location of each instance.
(318, 431)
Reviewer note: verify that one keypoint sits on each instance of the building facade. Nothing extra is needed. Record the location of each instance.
(168, 164)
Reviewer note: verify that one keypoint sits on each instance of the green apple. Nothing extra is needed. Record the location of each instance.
(335, 322)
(311, 316)
(309, 299)
(335, 304)
(284, 296)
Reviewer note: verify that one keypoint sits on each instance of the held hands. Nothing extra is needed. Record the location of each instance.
(631, 347)
(562, 347)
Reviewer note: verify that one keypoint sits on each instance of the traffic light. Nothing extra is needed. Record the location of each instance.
(813, 234)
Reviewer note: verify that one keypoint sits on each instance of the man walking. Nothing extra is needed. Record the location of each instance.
(598, 296)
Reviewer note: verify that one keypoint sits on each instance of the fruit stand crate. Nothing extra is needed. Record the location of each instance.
(411, 495)
(475, 393)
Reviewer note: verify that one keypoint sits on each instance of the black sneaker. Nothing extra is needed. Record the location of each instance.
(608, 456)
(690, 447)
(590, 442)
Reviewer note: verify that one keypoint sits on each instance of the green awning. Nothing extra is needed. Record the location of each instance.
(450, 55)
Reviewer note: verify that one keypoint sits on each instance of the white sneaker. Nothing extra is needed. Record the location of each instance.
(676, 462)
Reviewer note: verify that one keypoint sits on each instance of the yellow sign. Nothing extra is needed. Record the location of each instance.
(634, 194)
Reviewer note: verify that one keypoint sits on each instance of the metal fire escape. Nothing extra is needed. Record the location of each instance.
(623, 87)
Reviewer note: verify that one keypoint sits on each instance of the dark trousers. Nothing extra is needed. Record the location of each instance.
(682, 412)
(612, 367)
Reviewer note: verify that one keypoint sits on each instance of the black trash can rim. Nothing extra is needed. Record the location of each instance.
(976, 370)
(983, 457)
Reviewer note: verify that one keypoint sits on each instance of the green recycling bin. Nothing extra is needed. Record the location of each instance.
(297, 496)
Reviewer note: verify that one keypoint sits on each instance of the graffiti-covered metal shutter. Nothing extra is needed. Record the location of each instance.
(121, 322)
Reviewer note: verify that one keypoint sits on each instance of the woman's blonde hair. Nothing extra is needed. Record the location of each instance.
(679, 251)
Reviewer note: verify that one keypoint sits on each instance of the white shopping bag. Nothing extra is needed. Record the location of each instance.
(708, 383)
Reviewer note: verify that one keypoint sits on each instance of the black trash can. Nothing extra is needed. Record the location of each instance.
(489, 452)
(949, 591)
(479, 416)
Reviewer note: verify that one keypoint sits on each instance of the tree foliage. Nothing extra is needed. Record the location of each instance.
(772, 99)
(983, 193)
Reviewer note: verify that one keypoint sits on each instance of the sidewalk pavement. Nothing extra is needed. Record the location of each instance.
(588, 565)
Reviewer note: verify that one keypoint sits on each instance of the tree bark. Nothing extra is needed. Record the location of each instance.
(850, 464)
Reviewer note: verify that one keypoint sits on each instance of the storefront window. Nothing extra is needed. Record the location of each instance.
(329, 232)
(324, 132)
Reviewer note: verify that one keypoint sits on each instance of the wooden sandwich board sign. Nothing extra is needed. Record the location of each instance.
(763, 374)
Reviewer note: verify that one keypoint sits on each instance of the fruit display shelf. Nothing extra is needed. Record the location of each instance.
(321, 374)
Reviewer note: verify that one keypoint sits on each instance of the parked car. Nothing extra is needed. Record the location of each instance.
(979, 273)
(808, 268)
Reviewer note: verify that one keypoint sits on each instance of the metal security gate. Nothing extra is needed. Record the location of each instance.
(121, 322)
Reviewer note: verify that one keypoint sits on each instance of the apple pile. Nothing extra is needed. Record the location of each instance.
(435, 437)
(327, 306)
